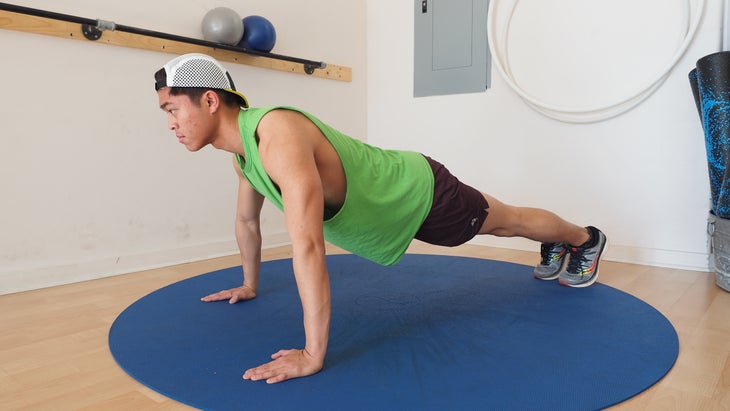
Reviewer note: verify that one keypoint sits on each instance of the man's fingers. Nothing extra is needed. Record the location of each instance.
(278, 378)
(258, 373)
(233, 295)
(279, 353)
(270, 374)
(286, 364)
(221, 295)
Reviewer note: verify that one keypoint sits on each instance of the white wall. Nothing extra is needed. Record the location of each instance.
(93, 184)
(641, 177)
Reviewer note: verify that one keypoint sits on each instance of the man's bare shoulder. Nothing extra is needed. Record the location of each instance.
(282, 126)
(282, 118)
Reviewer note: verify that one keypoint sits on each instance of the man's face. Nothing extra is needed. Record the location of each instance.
(189, 121)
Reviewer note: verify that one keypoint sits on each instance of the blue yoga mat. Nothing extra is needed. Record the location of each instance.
(430, 333)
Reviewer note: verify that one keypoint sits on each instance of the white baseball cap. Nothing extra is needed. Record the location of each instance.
(198, 71)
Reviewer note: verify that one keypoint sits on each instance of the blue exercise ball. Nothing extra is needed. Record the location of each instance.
(258, 34)
(222, 25)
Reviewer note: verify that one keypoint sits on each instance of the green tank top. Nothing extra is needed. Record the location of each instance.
(389, 192)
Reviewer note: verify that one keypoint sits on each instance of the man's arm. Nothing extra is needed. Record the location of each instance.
(248, 236)
(287, 152)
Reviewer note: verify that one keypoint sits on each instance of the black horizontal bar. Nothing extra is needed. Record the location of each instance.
(309, 65)
(43, 13)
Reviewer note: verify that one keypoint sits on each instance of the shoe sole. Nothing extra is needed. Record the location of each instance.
(595, 276)
(581, 285)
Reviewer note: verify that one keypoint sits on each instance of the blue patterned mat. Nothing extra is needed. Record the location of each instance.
(430, 333)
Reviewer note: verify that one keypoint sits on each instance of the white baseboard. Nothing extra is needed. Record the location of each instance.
(693, 261)
(659, 258)
(41, 277)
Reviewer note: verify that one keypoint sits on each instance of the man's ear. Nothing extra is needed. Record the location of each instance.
(211, 101)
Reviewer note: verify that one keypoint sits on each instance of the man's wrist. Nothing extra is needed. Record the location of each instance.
(315, 354)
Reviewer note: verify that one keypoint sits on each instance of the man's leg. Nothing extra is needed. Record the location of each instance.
(559, 239)
(532, 223)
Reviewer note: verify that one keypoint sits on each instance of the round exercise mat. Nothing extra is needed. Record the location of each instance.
(430, 333)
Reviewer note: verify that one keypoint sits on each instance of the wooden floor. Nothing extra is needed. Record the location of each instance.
(54, 353)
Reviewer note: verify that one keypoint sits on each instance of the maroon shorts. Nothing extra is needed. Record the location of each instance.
(457, 213)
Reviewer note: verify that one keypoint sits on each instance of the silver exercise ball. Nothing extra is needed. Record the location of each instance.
(222, 25)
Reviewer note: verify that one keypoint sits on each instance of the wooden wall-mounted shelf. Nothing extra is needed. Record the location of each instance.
(19, 21)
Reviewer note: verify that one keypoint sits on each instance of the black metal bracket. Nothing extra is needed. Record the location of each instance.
(93, 30)
(309, 68)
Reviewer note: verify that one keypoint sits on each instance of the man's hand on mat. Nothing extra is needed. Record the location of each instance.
(233, 295)
(287, 364)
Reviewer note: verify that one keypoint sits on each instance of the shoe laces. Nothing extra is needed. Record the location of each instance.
(546, 252)
(577, 259)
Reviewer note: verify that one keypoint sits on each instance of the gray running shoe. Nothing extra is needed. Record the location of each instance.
(552, 261)
(582, 268)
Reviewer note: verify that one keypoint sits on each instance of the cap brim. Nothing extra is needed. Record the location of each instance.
(243, 98)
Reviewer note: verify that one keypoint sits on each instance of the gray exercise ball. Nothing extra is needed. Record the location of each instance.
(222, 25)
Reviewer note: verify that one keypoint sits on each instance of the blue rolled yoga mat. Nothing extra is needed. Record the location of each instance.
(710, 83)
(430, 333)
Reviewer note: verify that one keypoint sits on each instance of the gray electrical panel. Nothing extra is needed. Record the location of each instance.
(451, 53)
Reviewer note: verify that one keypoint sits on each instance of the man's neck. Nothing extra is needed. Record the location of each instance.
(228, 136)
